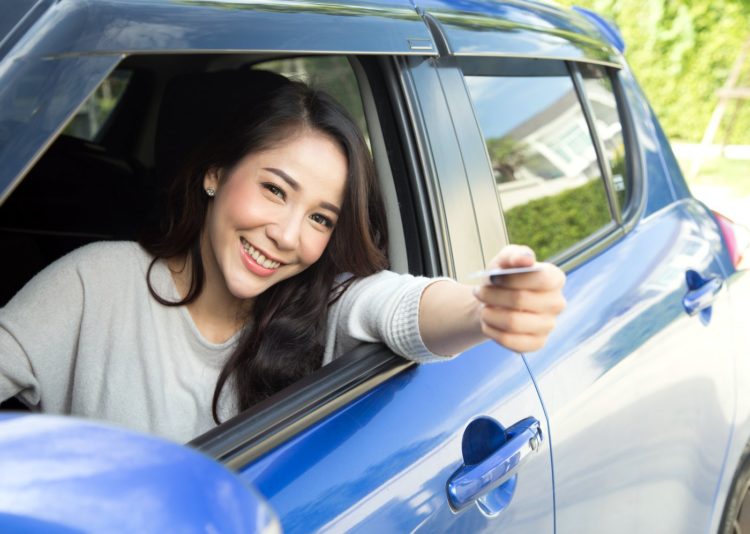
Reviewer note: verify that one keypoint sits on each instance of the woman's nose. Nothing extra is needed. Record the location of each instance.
(285, 234)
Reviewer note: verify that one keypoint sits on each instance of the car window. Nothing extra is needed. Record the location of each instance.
(603, 104)
(89, 120)
(543, 159)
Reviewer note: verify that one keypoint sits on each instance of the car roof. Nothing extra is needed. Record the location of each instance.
(424, 27)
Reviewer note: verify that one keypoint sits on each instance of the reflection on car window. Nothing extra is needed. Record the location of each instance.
(543, 159)
(333, 75)
(601, 97)
(92, 116)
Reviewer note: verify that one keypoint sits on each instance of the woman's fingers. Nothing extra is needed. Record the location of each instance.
(515, 341)
(517, 322)
(539, 292)
(517, 331)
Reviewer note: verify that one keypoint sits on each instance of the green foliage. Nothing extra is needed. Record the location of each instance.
(682, 52)
(551, 224)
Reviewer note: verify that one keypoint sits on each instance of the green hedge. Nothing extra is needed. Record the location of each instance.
(551, 224)
(682, 51)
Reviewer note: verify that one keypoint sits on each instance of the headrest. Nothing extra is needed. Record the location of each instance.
(194, 106)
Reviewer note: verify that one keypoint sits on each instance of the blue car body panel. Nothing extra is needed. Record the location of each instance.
(658, 189)
(640, 395)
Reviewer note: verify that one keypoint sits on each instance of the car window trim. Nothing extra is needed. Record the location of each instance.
(601, 155)
(407, 123)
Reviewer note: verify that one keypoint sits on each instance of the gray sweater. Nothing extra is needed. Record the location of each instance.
(85, 337)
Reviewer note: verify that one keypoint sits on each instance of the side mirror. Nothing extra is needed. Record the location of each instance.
(61, 474)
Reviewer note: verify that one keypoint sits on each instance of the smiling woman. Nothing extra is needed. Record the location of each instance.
(270, 263)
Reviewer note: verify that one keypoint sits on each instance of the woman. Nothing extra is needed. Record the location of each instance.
(271, 264)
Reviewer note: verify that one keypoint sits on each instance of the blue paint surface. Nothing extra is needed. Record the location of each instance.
(60, 474)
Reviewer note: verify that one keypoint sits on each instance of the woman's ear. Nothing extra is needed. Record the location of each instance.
(211, 180)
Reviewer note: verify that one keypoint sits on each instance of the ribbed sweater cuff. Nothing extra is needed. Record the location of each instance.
(405, 326)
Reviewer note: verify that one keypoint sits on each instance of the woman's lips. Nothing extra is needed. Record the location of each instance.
(252, 265)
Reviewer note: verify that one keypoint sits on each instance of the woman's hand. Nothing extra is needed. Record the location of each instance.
(519, 313)
(519, 310)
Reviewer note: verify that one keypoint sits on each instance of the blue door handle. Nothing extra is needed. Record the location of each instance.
(701, 294)
(471, 482)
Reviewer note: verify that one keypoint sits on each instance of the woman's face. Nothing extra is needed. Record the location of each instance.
(273, 213)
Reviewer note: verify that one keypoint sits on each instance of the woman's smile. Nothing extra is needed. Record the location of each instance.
(256, 261)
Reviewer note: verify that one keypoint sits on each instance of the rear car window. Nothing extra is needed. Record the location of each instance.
(543, 158)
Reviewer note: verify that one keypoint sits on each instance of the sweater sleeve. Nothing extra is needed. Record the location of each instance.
(383, 307)
(39, 330)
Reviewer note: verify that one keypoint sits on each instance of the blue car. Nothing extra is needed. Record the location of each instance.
(490, 123)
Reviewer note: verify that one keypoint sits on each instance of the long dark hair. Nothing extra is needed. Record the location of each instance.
(284, 337)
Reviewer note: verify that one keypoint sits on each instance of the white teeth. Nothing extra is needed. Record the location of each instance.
(258, 257)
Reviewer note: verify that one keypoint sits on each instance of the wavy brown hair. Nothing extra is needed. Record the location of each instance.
(284, 336)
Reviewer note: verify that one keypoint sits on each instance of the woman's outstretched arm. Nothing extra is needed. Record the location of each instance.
(519, 314)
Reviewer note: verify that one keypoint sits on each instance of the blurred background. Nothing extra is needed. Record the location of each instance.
(692, 58)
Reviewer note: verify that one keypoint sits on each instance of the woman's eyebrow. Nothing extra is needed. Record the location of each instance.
(294, 184)
(331, 207)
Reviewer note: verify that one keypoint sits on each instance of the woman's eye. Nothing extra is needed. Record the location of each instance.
(322, 219)
(275, 190)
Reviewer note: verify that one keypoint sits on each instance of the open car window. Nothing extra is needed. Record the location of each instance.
(88, 186)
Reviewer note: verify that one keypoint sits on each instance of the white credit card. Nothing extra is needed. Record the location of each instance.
(490, 275)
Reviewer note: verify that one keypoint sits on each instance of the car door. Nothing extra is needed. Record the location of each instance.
(636, 381)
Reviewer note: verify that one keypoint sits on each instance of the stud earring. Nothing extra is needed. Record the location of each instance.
(210, 191)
